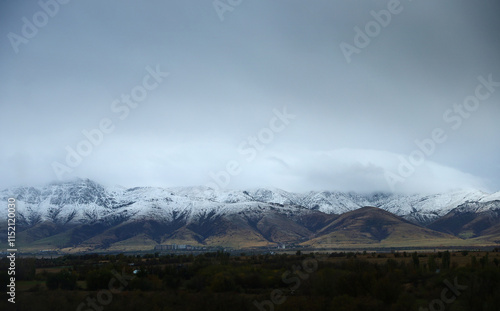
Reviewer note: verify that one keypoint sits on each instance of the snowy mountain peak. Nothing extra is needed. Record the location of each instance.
(492, 197)
(84, 200)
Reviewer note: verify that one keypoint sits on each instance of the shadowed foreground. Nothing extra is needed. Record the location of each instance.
(216, 281)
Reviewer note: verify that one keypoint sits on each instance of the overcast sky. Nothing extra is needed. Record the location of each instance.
(329, 108)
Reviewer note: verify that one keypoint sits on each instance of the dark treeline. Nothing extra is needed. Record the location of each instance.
(217, 281)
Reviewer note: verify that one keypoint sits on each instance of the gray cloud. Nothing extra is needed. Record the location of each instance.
(352, 119)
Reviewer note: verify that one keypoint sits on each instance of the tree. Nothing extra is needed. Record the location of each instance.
(446, 261)
(416, 261)
(98, 279)
(484, 260)
(473, 261)
(431, 261)
(63, 280)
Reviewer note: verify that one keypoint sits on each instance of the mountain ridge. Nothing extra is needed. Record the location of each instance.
(84, 214)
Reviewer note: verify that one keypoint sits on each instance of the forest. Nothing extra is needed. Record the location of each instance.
(438, 280)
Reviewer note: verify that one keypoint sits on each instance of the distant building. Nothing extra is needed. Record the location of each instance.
(174, 246)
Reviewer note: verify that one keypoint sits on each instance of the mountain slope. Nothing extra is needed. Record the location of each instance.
(371, 225)
(470, 219)
(85, 215)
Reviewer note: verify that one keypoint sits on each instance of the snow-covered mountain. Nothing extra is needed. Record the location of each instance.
(85, 201)
(83, 215)
(420, 209)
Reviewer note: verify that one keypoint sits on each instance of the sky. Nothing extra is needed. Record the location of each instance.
(363, 96)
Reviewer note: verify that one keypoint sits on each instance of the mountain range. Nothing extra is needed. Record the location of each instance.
(82, 215)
